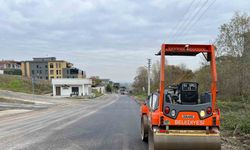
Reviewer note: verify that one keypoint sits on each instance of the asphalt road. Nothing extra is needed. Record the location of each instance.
(110, 123)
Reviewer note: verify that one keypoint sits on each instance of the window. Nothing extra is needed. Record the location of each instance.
(37, 71)
(33, 72)
(153, 102)
(37, 66)
(60, 72)
(150, 101)
(41, 72)
(59, 65)
(46, 66)
(46, 71)
(52, 77)
(47, 78)
(67, 71)
(57, 72)
(51, 71)
(51, 65)
(75, 90)
(56, 65)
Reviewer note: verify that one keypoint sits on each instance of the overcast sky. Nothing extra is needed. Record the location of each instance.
(109, 38)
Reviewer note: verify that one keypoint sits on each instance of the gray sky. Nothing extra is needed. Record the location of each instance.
(109, 38)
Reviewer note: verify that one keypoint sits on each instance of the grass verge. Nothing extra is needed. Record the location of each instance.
(24, 85)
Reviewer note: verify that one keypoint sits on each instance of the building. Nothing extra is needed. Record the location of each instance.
(48, 68)
(71, 87)
(56, 68)
(37, 68)
(99, 89)
(10, 67)
(95, 80)
(105, 82)
(73, 73)
(10, 64)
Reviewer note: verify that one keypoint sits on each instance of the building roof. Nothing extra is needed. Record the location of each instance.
(105, 79)
(9, 62)
(70, 81)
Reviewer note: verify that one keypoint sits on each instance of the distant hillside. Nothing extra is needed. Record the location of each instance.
(20, 84)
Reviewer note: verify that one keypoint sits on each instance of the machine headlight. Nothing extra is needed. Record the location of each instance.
(173, 113)
(202, 113)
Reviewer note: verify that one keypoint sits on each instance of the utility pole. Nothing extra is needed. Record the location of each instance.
(33, 86)
(149, 66)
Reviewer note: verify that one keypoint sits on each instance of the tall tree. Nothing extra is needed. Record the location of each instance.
(231, 48)
(230, 41)
(140, 81)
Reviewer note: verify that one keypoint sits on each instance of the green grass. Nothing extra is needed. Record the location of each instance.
(235, 116)
(140, 96)
(20, 84)
(96, 93)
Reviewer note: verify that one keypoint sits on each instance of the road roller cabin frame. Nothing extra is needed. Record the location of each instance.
(188, 122)
(188, 50)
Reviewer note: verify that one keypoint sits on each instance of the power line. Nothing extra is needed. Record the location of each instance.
(187, 20)
(199, 17)
(192, 18)
(149, 66)
(184, 16)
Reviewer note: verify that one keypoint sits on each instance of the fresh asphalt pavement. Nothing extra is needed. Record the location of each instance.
(110, 123)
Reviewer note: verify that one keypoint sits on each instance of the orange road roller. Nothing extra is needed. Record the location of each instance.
(178, 116)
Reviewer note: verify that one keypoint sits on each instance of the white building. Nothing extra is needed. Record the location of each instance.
(70, 87)
(100, 89)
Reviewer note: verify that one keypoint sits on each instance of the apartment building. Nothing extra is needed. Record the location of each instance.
(56, 68)
(48, 68)
(36, 68)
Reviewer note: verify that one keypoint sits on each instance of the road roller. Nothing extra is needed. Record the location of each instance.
(178, 116)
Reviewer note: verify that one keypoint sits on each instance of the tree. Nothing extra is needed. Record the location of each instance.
(173, 75)
(109, 88)
(230, 41)
(231, 46)
(141, 80)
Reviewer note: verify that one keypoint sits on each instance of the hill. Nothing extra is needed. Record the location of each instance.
(21, 84)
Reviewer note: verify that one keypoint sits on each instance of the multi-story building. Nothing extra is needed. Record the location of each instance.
(9, 64)
(49, 68)
(73, 73)
(56, 68)
(37, 68)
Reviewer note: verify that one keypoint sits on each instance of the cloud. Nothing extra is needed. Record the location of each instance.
(110, 38)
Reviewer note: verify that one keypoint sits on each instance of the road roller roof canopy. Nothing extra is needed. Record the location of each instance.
(187, 50)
